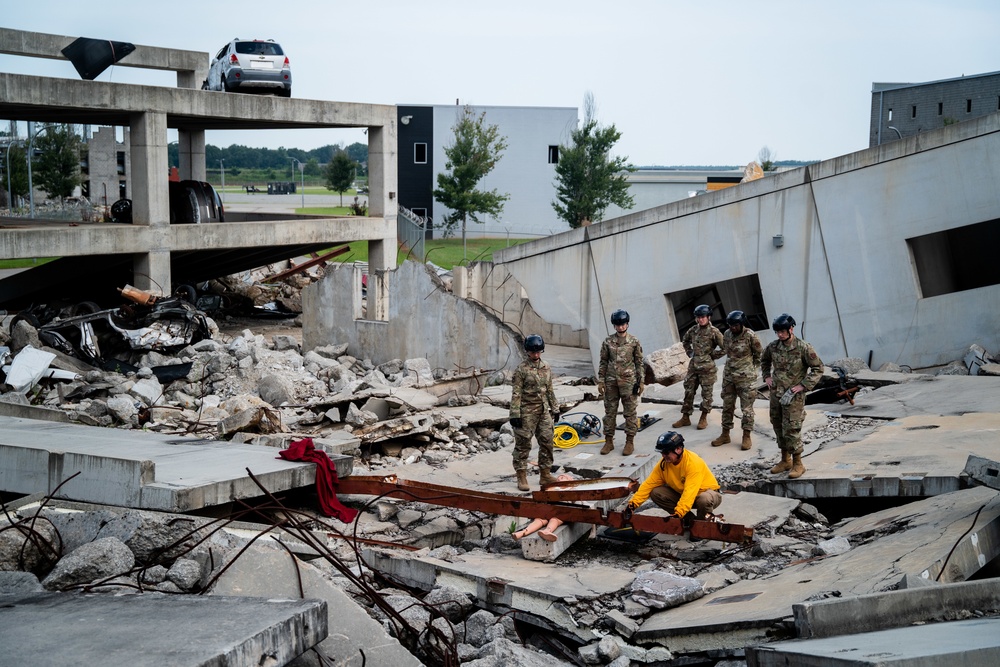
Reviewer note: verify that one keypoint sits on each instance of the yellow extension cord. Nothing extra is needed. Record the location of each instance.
(565, 437)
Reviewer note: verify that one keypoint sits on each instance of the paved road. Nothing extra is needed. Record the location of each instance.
(263, 202)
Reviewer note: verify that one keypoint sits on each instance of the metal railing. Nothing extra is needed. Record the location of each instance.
(411, 230)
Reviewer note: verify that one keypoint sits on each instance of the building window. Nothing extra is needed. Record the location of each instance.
(913, 111)
(940, 108)
(419, 153)
(419, 212)
(957, 259)
(890, 113)
(968, 106)
(553, 155)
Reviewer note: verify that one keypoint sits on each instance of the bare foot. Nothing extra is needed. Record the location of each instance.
(547, 536)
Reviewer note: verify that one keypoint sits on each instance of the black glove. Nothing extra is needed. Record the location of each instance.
(627, 514)
(555, 416)
(516, 422)
(635, 389)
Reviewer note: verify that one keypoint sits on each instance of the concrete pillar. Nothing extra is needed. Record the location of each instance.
(191, 154)
(382, 202)
(151, 198)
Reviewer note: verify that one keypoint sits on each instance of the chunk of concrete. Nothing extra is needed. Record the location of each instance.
(535, 547)
(90, 629)
(273, 573)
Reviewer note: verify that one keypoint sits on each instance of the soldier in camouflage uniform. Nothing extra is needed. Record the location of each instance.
(739, 377)
(703, 343)
(790, 367)
(620, 379)
(533, 412)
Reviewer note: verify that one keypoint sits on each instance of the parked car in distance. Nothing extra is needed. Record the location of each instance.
(250, 66)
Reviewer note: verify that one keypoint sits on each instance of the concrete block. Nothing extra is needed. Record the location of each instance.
(128, 629)
(533, 547)
(623, 625)
(972, 643)
(983, 470)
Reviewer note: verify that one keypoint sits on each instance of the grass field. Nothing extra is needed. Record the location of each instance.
(446, 253)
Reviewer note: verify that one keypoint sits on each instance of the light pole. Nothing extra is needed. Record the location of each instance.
(10, 196)
(302, 171)
(222, 168)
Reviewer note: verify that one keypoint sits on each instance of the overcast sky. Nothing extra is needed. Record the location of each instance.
(686, 83)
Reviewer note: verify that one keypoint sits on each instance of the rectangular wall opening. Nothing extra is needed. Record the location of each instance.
(958, 259)
(722, 297)
(553, 155)
(420, 153)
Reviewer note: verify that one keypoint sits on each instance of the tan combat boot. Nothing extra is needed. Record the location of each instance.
(747, 444)
(522, 480)
(609, 444)
(722, 439)
(786, 464)
(629, 445)
(685, 420)
(703, 422)
(546, 478)
(797, 467)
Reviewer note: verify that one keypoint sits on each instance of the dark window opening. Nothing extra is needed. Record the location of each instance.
(421, 212)
(958, 259)
(913, 111)
(968, 106)
(890, 113)
(553, 155)
(722, 297)
(419, 153)
(940, 108)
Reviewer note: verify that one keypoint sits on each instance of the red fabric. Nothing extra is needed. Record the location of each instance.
(326, 478)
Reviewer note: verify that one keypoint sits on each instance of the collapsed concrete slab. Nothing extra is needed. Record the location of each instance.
(945, 538)
(505, 585)
(141, 470)
(158, 629)
(354, 637)
(971, 643)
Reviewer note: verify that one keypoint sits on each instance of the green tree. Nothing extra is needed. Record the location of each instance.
(766, 159)
(312, 167)
(359, 153)
(588, 179)
(340, 174)
(476, 149)
(17, 169)
(57, 169)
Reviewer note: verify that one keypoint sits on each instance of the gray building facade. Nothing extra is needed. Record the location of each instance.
(905, 109)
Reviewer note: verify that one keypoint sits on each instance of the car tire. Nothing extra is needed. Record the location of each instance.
(225, 86)
(285, 92)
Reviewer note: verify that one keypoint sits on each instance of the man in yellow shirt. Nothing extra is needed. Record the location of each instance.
(680, 482)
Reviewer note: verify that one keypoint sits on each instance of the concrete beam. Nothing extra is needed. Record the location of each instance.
(191, 66)
(75, 628)
(893, 609)
(142, 470)
(972, 643)
(985, 471)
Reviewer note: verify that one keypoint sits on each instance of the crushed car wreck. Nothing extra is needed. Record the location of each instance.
(105, 337)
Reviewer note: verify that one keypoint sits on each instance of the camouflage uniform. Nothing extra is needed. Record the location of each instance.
(739, 377)
(787, 366)
(704, 346)
(621, 368)
(533, 400)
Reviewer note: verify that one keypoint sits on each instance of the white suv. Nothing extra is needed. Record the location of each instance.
(250, 64)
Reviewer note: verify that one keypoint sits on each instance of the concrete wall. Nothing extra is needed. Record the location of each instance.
(497, 289)
(523, 172)
(845, 270)
(423, 320)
